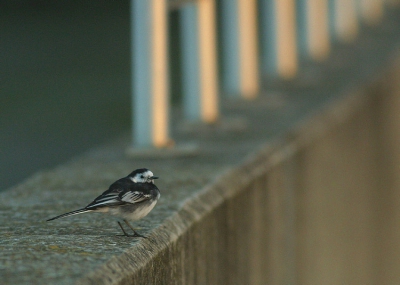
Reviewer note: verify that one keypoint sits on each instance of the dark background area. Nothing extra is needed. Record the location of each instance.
(64, 81)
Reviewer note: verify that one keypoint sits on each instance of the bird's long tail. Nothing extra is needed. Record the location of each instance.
(76, 212)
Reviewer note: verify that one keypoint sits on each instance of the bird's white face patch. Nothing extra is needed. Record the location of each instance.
(143, 177)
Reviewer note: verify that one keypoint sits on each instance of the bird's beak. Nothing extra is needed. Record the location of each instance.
(154, 177)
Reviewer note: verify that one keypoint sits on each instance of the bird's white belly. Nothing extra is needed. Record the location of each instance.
(143, 211)
(136, 213)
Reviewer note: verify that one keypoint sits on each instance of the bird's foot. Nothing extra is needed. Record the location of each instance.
(135, 234)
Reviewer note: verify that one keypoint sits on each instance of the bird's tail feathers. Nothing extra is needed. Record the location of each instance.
(76, 212)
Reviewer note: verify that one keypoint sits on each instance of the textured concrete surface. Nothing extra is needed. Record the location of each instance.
(211, 225)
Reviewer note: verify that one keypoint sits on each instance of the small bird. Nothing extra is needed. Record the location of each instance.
(131, 197)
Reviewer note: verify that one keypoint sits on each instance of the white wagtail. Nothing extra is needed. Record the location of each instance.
(131, 197)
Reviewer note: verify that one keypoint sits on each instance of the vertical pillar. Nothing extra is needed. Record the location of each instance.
(149, 73)
(279, 37)
(313, 28)
(392, 2)
(240, 51)
(200, 76)
(371, 11)
(344, 20)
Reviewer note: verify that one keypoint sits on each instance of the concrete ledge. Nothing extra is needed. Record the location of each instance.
(288, 200)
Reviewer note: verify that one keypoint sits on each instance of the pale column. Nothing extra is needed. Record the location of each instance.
(392, 2)
(345, 20)
(248, 47)
(371, 11)
(318, 29)
(286, 38)
(240, 52)
(200, 76)
(149, 73)
(279, 37)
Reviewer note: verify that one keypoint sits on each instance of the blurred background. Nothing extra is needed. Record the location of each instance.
(64, 81)
(65, 78)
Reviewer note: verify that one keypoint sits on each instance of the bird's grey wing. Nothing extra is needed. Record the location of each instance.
(107, 199)
(134, 197)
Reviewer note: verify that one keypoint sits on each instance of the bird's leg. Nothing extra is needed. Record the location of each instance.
(125, 234)
(135, 233)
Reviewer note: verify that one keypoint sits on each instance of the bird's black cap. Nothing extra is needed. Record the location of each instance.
(140, 170)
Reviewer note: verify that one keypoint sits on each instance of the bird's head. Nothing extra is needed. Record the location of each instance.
(142, 175)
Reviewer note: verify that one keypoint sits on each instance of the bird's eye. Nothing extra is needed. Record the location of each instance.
(141, 176)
